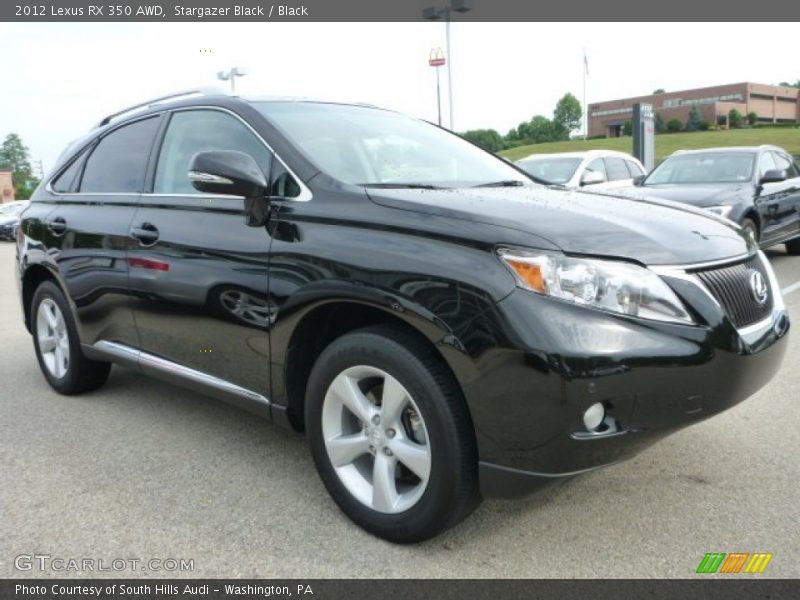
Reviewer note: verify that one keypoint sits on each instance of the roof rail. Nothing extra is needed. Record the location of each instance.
(207, 91)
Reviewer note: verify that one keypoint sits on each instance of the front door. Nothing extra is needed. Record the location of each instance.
(198, 272)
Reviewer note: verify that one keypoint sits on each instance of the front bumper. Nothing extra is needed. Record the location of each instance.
(653, 378)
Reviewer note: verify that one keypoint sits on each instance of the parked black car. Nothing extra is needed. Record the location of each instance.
(756, 187)
(440, 327)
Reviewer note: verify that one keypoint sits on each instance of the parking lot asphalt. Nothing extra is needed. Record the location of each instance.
(141, 469)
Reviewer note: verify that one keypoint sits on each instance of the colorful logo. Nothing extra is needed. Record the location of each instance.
(735, 562)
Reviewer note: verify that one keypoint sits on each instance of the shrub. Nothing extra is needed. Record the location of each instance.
(752, 118)
(674, 125)
(627, 127)
(735, 118)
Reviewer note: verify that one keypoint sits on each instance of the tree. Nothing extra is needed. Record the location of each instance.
(15, 157)
(796, 84)
(488, 139)
(752, 118)
(735, 118)
(659, 123)
(674, 125)
(568, 113)
(658, 91)
(627, 127)
(695, 122)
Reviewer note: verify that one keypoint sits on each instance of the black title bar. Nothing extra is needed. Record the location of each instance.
(391, 10)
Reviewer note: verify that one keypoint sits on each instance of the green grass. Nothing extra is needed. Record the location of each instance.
(667, 143)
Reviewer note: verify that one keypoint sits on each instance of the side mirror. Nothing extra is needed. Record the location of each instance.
(227, 172)
(592, 178)
(773, 176)
(638, 180)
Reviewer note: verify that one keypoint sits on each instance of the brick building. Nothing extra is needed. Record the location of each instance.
(6, 187)
(771, 103)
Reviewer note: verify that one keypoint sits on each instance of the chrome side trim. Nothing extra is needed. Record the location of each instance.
(181, 375)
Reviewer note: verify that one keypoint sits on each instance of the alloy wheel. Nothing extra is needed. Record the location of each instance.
(376, 439)
(53, 338)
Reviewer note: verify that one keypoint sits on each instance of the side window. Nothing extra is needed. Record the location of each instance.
(597, 166)
(68, 180)
(634, 169)
(785, 163)
(765, 163)
(118, 162)
(616, 169)
(196, 131)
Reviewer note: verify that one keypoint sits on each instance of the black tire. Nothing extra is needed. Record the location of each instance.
(82, 374)
(750, 225)
(793, 247)
(452, 487)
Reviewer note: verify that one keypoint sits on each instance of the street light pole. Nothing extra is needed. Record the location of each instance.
(433, 13)
(231, 75)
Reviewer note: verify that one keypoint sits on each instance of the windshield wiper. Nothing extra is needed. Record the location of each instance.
(504, 183)
(411, 186)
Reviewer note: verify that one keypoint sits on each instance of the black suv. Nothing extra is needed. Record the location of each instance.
(756, 187)
(441, 327)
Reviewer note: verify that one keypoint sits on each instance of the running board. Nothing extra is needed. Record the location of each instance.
(181, 375)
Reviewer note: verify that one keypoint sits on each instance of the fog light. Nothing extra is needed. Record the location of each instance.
(594, 415)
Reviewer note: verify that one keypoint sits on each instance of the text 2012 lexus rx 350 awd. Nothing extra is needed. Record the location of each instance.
(441, 327)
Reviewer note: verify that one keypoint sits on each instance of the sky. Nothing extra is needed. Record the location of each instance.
(61, 79)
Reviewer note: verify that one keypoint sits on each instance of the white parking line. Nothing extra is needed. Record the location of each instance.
(792, 288)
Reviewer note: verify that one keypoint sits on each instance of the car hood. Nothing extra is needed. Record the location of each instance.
(696, 195)
(649, 231)
(9, 219)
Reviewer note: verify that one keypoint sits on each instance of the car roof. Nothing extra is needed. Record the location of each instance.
(731, 149)
(580, 154)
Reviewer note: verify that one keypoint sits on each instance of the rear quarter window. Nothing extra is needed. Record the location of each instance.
(118, 162)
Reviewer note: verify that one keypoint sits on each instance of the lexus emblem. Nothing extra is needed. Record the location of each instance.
(758, 287)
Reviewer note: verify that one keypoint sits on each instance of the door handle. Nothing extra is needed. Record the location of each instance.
(57, 226)
(146, 234)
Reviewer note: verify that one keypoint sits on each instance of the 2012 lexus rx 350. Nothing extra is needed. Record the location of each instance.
(441, 327)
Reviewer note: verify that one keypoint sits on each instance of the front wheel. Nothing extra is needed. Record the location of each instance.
(750, 229)
(391, 436)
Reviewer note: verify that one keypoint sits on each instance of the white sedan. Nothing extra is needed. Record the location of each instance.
(600, 169)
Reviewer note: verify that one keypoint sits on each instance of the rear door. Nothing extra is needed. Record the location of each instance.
(86, 234)
(199, 273)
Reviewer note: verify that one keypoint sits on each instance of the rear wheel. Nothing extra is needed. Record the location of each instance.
(391, 436)
(58, 349)
(793, 246)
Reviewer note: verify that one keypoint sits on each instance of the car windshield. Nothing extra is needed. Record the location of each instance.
(373, 147)
(554, 170)
(711, 167)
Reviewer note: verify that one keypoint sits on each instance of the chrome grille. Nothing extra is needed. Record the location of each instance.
(730, 285)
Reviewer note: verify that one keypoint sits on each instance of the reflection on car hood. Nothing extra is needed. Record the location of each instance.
(646, 230)
(696, 195)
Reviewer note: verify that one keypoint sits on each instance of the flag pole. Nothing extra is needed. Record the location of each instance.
(585, 106)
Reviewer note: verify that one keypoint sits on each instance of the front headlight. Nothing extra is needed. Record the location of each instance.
(723, 210)
(607, 285)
